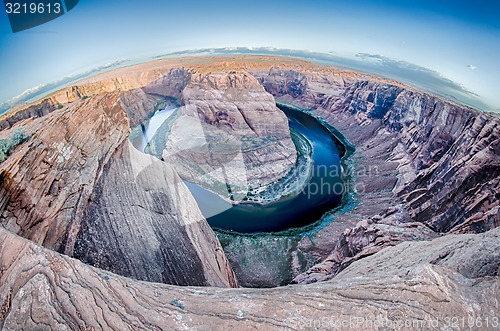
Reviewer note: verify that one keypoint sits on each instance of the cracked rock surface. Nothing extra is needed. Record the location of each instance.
(44, 290)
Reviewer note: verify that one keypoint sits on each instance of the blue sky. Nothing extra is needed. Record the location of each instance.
(459, 40)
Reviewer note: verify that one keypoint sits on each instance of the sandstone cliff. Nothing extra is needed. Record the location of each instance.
(67, 183)
(48, 182)
(418, 159)
(143, 223)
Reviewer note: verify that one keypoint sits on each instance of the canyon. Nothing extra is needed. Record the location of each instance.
(237, 137)
(416, 237)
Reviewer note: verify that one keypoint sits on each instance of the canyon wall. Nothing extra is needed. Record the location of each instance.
(66, 184)
(423, 166)
(143, 223)
(48, 182)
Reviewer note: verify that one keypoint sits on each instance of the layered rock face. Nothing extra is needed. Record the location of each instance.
(39, 110)
(229, 132)
(425, 171)
(143, 223)
(454, 150)
(77, 180)
(412, 286)
(48, 182)
(423, 166)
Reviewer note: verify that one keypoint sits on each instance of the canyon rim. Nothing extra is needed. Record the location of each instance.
(415, 238)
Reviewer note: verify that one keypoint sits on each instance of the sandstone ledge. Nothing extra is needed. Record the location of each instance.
(43, 290)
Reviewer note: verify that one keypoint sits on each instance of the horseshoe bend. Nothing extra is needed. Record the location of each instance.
(247, 192)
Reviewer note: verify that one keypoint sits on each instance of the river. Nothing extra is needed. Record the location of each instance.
(322, 193)
(150, 126)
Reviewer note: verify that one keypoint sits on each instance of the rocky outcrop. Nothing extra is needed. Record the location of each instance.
(419, 159)
(143, 223)
(39, 110)
(472, 256)
(66, 185)
(415, 285)
(236, 137)
(170, 85)
(138, 105)
(367, 238)
(48, 182)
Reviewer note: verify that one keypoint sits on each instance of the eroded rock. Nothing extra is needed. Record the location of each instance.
(78, 177)
(143, 223)
(401, 287)
(229, 131)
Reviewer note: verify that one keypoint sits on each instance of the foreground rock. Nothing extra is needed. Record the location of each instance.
(424, 285)
(143, 223)
(77, 180)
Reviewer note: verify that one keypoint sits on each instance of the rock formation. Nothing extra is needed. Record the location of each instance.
(236, 137)
(412, 286)
(416, 242)
(48, 182)
(66, 185)
(143, 223)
